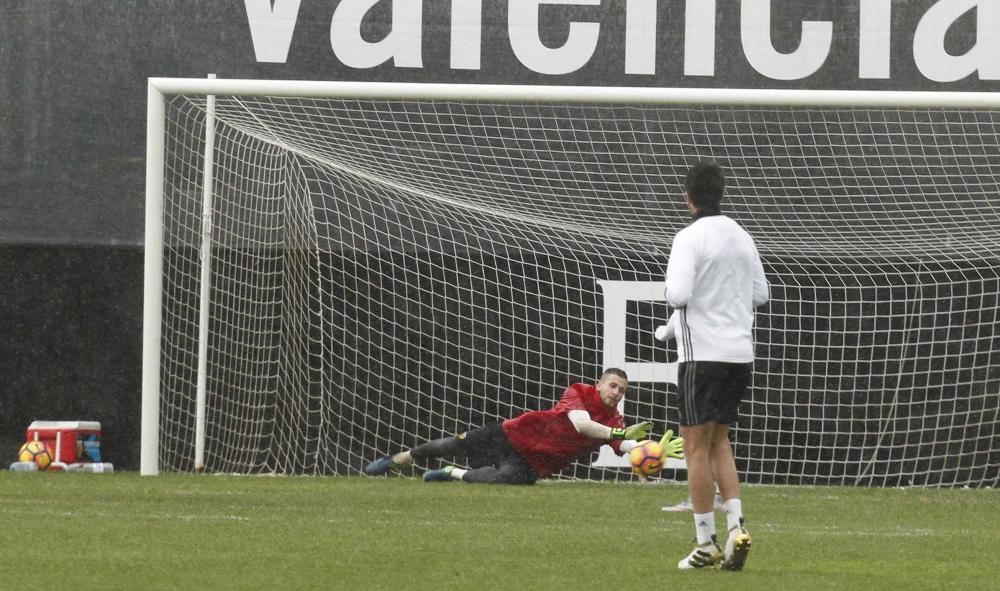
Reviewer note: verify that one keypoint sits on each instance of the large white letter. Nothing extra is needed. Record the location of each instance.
(928, 41)
(271, 28)
(755, 25)
(466, 34)
(640, 37)
(617, 294)
(875, 39)
(402, 44)
(699, 38)
(522, 25)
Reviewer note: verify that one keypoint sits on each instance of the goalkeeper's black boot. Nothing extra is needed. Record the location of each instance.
(442, 475)
(380, 466)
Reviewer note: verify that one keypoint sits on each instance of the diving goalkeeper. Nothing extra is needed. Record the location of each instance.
(536, 444)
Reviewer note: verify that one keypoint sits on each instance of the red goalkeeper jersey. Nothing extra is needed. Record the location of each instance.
(547, 440)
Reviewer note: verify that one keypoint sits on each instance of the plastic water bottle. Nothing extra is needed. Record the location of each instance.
(24, 467)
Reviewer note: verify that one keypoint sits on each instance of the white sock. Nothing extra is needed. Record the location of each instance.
(734, 513)
(458, 473)
(704, 527)
(402, 458)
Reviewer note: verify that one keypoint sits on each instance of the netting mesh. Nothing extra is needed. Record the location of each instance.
(385, 272)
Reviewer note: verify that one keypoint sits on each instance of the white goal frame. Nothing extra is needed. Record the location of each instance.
(160, 88)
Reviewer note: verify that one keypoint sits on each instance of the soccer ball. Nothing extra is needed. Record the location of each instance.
(37, 452)
(646, 458)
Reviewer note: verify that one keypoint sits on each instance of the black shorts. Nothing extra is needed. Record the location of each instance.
(711, 391)
(488, 446)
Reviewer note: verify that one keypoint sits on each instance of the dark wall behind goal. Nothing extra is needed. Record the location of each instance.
(71, 348)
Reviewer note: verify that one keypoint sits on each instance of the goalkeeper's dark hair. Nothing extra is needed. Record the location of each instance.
(615, 371)
(705, 183)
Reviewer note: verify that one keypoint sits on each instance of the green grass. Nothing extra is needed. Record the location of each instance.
(123, 531)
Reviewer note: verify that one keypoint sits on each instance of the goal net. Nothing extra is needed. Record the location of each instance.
(340, 271)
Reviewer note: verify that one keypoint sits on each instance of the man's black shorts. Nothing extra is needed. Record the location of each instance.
(711, 391)
(488, 446)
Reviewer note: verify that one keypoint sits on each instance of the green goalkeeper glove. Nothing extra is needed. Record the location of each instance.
(634, 432)
(672, 448)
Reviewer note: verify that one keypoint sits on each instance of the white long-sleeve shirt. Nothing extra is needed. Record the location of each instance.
(716, 280)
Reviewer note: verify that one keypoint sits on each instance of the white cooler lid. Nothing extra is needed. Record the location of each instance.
(79, 425)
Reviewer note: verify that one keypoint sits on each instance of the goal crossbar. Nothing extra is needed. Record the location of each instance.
(574, 94)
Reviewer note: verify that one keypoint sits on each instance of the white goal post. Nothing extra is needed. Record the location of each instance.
(335, 271)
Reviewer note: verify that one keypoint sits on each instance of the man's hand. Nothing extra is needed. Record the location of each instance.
(634, 432)
(673, 447)
(662, 333)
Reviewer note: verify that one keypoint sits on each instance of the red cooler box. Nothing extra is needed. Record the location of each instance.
(70, 441)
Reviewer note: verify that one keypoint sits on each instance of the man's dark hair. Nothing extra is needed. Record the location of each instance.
(616, 372)
(705, 183)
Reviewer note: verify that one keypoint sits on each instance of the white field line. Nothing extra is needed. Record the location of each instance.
(392, 516)
(112, 516)
(833, 530)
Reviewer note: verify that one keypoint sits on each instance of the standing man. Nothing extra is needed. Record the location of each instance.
(715, 280)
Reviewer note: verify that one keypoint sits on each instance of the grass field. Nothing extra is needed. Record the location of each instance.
(124, 531)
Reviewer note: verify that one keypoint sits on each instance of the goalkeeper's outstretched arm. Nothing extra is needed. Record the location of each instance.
(628, 436)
